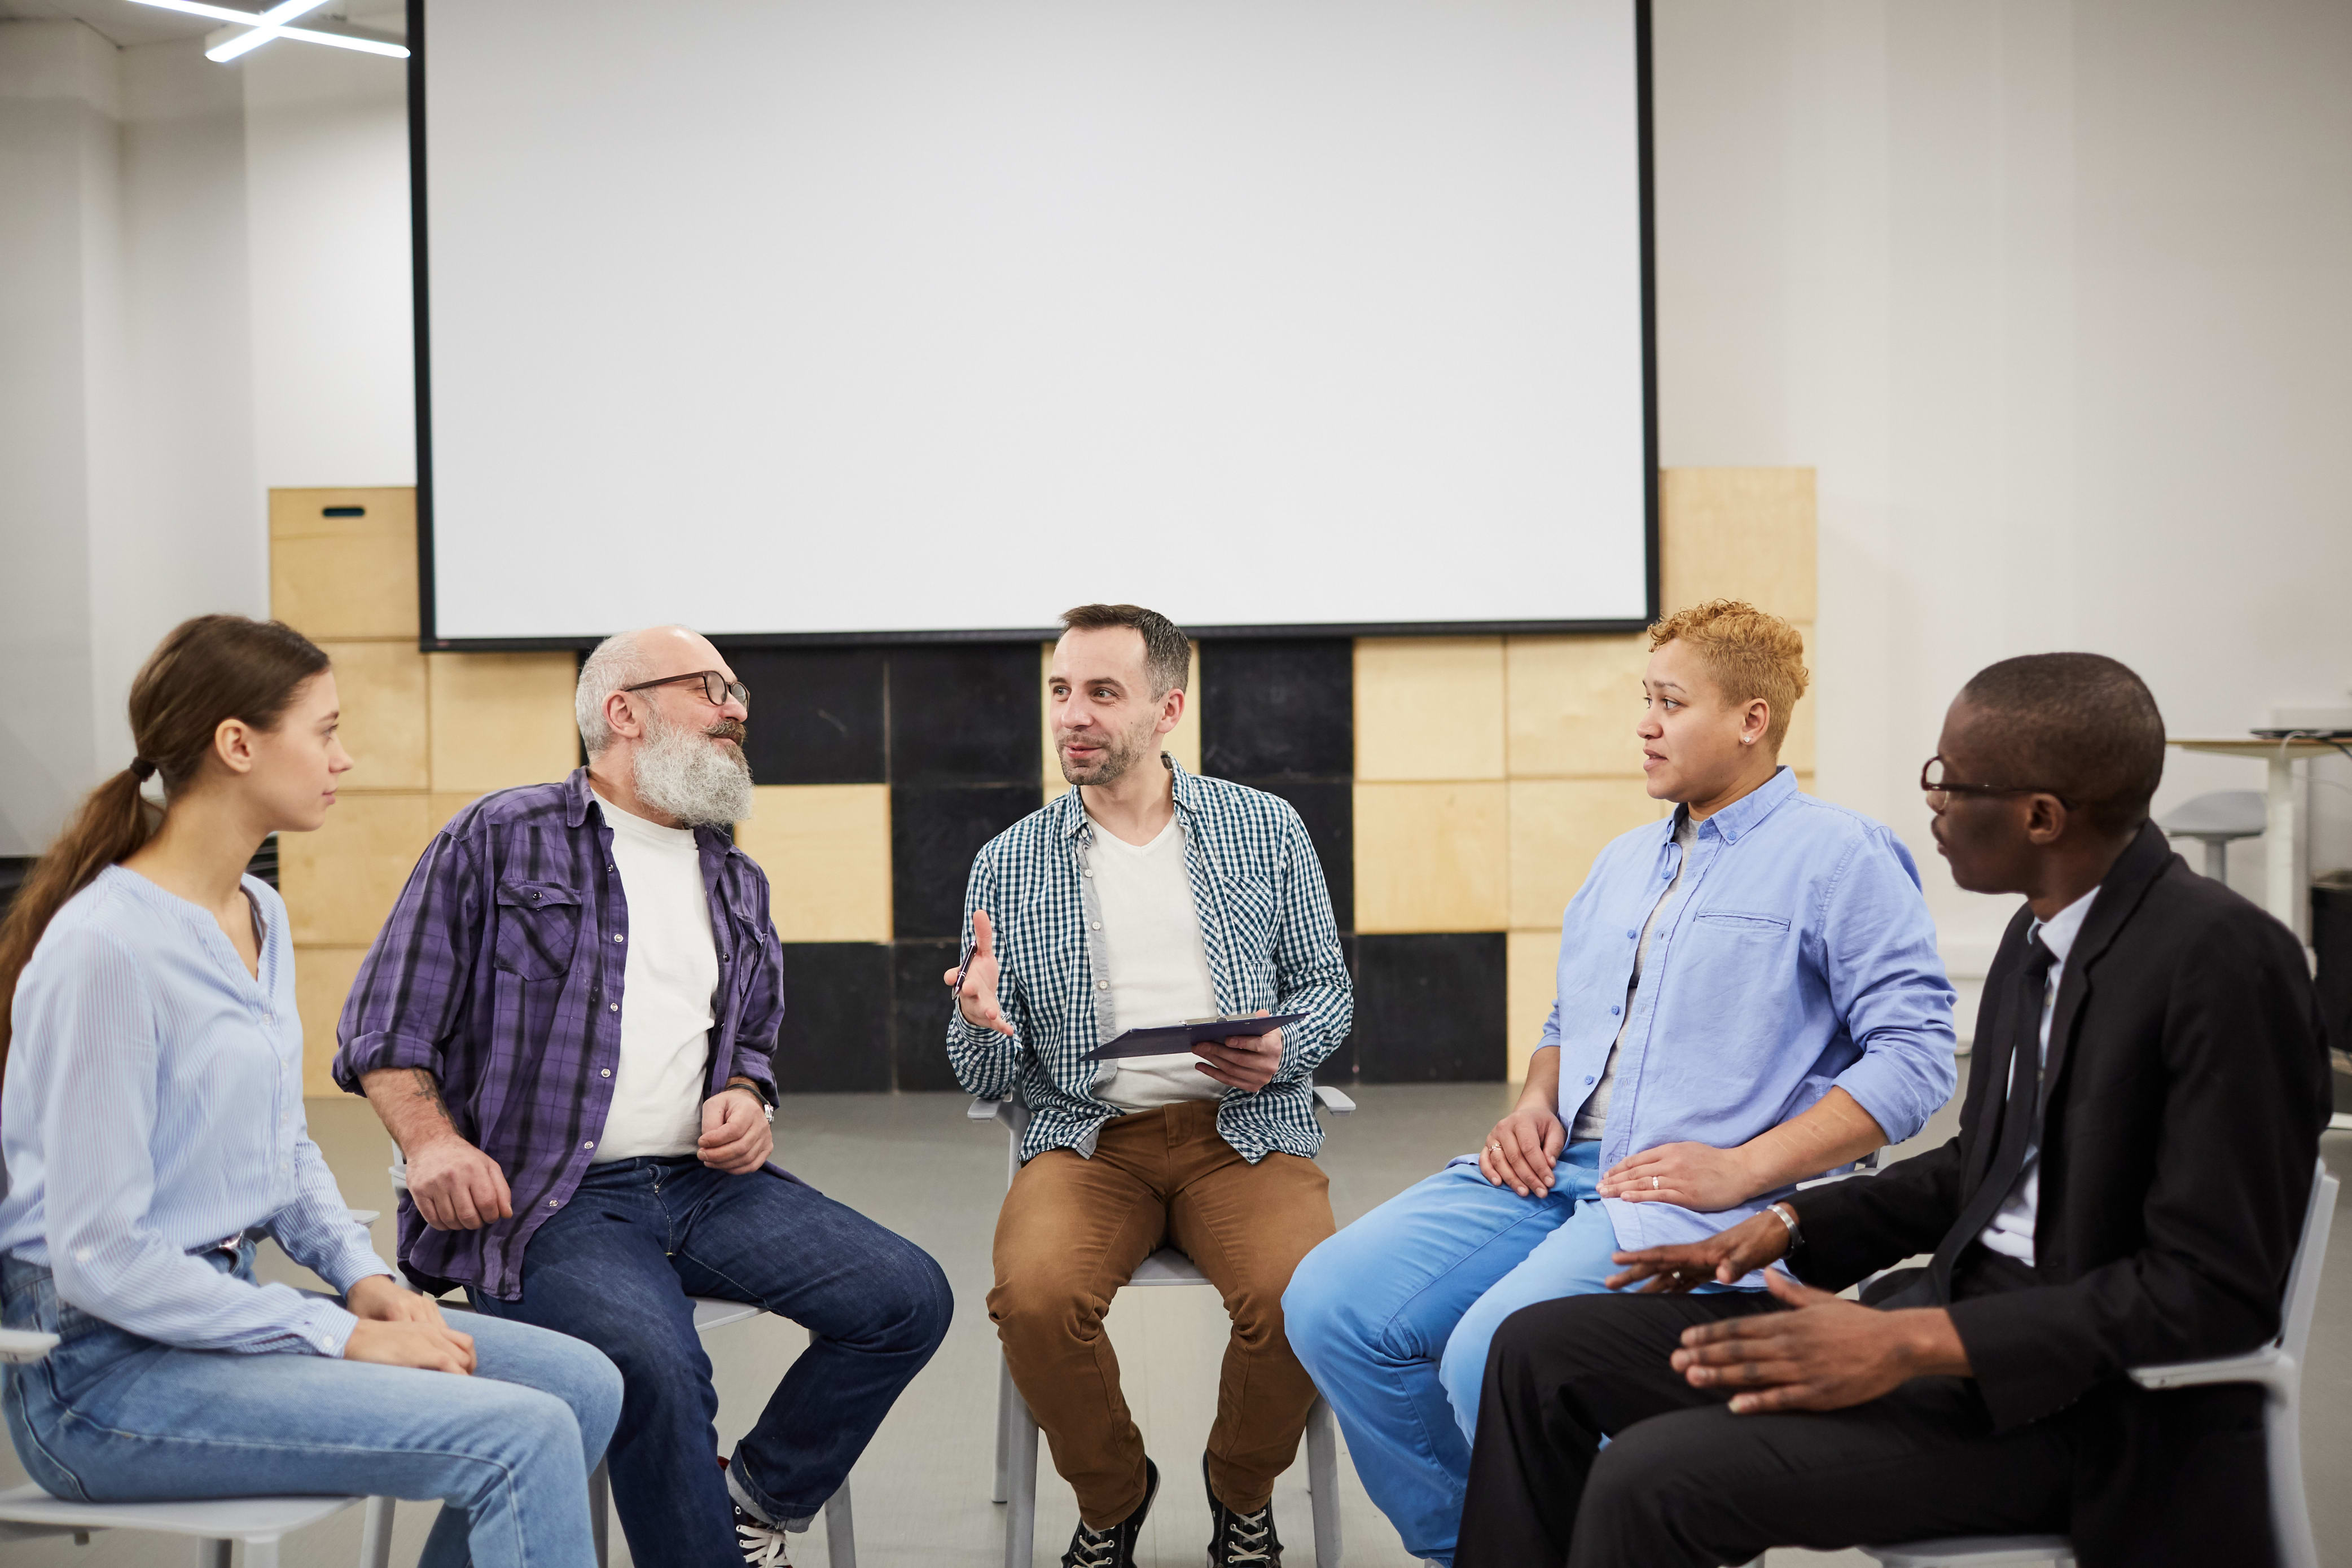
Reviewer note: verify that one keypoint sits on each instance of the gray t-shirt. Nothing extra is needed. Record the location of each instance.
(1595, 1114)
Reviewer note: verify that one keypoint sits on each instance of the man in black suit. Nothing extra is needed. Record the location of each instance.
(2129, 1195)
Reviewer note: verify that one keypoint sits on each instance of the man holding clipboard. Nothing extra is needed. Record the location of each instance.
(1154, 970)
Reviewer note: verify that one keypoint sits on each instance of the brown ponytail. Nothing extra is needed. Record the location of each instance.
(209, 670)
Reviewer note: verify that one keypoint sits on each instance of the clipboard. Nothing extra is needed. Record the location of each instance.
(1175, 1037)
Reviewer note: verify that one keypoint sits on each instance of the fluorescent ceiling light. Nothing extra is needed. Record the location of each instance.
(269, 26)
(254, 18)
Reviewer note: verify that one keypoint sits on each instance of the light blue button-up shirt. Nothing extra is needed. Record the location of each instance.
(153, 1109)
(1797, 955)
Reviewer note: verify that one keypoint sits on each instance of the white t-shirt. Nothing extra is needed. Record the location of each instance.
(2011, 1230)
(666, 985)
(1150, 951)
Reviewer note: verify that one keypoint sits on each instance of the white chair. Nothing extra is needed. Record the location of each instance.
(1016, 1429)
(2276, 1368)
(28, 1514)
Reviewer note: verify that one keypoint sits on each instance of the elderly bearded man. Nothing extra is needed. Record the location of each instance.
(1148, 895)
(565, 1026)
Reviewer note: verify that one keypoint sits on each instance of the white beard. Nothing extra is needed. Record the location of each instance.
(682, 774)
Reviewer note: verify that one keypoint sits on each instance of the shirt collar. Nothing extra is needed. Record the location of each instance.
(1742, 815)
(1075, 823)
(2058, 932)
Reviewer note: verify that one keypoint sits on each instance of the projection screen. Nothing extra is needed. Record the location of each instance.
(837, 319)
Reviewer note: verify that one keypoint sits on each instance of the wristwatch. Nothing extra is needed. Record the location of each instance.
(767, 1107)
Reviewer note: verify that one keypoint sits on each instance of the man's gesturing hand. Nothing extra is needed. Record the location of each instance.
(456, 1185)
(1241, 1061)
(976, 997)
(1725, 1258)
(1825, 1354)
(736, 1136)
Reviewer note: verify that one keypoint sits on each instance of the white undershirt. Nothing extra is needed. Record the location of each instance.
(1592, 1117)
(666, 985)
(2011, 1230)
(1151, 952)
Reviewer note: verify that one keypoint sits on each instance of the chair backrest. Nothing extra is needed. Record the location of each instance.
(2302, 1301)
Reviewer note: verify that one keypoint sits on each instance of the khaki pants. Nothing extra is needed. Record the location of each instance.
(1071, 1233)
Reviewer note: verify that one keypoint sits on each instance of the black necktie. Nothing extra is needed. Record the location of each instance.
(2018, 1115)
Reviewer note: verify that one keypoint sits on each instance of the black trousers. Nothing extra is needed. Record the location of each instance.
(1684, 1482)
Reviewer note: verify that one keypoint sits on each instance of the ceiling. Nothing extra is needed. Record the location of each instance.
(124, 25)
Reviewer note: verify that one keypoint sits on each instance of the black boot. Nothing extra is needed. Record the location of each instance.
(1239, 1540)
(1115, 1547)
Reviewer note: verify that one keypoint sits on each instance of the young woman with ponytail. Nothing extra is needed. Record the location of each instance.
(152, 1122)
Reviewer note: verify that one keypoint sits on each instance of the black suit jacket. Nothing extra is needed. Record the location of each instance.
(2185, 1092)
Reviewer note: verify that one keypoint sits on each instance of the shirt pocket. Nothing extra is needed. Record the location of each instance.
(539, 926)
(1737, 925)
(1251, 911)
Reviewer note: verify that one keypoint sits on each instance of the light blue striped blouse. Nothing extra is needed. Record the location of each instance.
(153, 1109)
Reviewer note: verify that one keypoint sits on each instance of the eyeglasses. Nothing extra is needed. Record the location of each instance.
(1932, 780)
(715, 687)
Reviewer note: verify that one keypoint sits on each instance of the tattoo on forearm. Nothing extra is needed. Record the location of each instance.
(429, 1089)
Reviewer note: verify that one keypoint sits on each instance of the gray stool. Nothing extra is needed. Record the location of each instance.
(2215, 819)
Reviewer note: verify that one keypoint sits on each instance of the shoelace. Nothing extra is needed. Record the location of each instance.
(763, 1547)
(1245, 1536)
(1095, 1549)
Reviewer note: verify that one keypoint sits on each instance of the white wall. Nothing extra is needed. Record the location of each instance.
(2055, 296)
(207, 297)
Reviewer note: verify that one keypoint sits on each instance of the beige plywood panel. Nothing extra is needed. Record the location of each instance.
(340, 881)
(1558, 826)
(501, 719)
(1429, 707)
(1532, 968)
(1573, 702)
(443, 807)
(1182, 743)
(826, 851)
(1739, 533)
(1432, 857)
(323, 979)
(382, 687)
(342, 578)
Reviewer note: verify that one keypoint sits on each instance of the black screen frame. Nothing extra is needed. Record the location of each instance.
(430, 641)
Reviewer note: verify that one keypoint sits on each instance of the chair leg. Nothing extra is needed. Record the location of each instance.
(1021, 1486)
(2290, 1508)
(375, 1535)
(600, 1510)
(1323, 1483)
(211, 1554)
(840, 1530)
(1004, 1397)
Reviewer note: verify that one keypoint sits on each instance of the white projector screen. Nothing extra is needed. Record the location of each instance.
(919, 318)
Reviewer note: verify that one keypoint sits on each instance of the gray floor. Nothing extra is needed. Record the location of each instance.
(922, 1491)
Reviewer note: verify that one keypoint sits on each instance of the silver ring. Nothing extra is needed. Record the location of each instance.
(1656, 1184)
(1494, 1148)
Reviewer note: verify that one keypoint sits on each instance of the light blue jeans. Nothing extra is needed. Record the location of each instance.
(110, 1416)
(1392, 1318)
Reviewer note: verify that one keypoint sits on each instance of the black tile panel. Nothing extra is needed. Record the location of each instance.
(836, 1033)
(1429, 1008)
(1327, 808)
(818, 714)
(965, 715)
(1274, 707)
(935, 830)
(919, 1003)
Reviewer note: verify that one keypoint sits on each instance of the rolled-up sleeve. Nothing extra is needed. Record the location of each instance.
(1887, 983)
(411, 988)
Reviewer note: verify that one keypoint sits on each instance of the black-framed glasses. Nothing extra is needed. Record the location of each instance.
(1933, 780)
(715, 687)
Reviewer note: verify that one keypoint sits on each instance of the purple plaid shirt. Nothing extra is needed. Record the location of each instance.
(500, 973)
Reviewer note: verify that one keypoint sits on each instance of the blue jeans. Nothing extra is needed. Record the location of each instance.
(110, 1416)
(616, 1266)
(1392, 1318)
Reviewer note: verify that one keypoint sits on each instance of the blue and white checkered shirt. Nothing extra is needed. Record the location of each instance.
(1265, 924)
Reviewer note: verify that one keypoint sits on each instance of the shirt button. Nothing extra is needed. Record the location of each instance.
(1102, 985)
(611, 1007)
(1614, 1010)
(1094, 925)
(1087, 872)
(1587, 1078)
(1631, 934)
(589, 1145)
(616, 937)
(606, 1072)
(551, 1202)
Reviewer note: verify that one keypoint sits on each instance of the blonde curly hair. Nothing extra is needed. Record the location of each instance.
(1750, 652)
